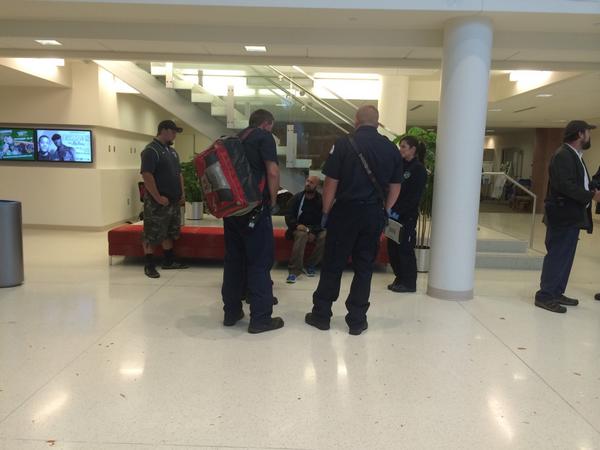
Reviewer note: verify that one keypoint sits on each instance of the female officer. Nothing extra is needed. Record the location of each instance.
(406, 210)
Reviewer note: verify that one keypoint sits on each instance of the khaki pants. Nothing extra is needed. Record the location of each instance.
(297, 258)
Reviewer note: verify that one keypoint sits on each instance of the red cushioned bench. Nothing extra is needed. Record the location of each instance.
(200, 243)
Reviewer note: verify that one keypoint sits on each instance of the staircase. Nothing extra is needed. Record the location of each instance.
(507, 253)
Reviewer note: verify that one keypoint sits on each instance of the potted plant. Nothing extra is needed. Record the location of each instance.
(422, 249)
(193, 193)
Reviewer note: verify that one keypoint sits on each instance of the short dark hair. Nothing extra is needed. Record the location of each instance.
(56, 136)
(414, 142)
(260, 116)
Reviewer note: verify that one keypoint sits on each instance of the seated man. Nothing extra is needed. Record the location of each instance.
(303, 219)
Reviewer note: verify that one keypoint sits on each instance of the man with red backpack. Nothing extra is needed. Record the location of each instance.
(249, 243)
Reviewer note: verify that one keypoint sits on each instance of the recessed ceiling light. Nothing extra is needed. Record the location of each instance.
(495, 110)
(559, 121)
(490, 131)
(255, 48)
(544, 95)
(47, 42)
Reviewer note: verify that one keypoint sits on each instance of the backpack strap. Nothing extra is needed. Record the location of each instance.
(365, 165)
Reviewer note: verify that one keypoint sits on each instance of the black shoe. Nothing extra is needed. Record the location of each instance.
(551, 305)
(597, 296)
(564, 300)
(274, 324)
(174, 265)
(231, 321)
(396, 281)
(310, 319)
(358, 330)
(150, 271)
(275, 301)
(401, 288)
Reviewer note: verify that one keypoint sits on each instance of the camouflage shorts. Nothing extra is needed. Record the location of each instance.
(160, 222)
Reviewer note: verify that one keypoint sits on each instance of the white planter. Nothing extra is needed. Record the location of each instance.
(194, 211)
(423, 255)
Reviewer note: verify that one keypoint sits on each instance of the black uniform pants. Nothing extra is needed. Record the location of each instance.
(561, 244)
(353, 230)
(248, 260)
(402, 256)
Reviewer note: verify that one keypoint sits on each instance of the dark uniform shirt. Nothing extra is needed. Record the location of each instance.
(163, 162)
(260, 147)
(343, 164)
(413, 185)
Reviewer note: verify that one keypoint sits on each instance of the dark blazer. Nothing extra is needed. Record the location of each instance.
(568, 203)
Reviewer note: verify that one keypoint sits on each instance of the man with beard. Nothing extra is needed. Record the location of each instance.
(304, 225)
(163, 198)
(567, 210)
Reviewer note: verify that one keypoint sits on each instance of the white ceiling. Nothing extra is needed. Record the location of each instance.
(381, 41)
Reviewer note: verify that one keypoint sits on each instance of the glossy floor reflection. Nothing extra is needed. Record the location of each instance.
(99, 357)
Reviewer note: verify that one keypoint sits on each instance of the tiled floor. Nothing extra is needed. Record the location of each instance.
(99, 357)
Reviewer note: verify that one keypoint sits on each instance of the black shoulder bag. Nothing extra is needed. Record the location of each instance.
(393, 230)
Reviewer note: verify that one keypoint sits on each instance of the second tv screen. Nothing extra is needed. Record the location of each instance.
(64, 145)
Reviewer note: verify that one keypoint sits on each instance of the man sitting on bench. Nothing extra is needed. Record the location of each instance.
(304, 225)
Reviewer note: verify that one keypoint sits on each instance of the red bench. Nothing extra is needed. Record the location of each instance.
(200, 243)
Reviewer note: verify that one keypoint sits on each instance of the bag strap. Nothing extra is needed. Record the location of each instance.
(368, 170)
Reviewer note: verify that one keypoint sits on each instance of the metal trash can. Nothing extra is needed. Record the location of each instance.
(11, 244)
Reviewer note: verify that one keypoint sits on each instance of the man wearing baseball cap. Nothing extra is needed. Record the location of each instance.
(163, 197)
(567, 210)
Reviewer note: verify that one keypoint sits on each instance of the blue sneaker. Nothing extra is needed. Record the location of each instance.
(310, 271)
(291, 278)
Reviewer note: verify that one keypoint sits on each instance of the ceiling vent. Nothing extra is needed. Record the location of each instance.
(525, 109)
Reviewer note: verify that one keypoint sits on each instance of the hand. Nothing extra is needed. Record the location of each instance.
(324, 220)
(596, 197)
(311, 237)
(392, 214)
(301, 227)
(162, 200)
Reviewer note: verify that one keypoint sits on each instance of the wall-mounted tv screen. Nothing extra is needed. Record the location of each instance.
(64, 145)
(17, 144)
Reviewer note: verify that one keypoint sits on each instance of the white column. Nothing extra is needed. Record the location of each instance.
(459, 156)
(393, 103)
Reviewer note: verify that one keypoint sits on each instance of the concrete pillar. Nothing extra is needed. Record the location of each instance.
(459, 156)
(393, 103)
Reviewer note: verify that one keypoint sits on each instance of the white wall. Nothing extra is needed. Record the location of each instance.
(592, 156)
(95, 195)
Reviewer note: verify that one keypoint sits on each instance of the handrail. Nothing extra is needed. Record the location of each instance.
(527, 191)
(331, 109)
(298, 99)
(339, 97)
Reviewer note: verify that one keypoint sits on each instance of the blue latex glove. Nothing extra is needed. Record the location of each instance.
(324, 218)
(393, 214)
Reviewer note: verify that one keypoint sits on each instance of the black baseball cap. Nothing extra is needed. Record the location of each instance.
(169, 125)
(577, 126)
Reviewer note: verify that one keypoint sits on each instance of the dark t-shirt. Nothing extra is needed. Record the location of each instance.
(163, 162)
(260, 146)
(343, 164)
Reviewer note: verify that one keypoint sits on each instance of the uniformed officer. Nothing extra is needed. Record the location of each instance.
(406, 211)
(357, 218)
(164, 196)
(249, 243)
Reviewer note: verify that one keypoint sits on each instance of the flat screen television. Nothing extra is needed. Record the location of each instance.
(17, 144)
(64, 146)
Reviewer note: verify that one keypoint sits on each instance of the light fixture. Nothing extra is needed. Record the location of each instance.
(489, 131)
(495, 110)
(544, 95)
(47, 42)
(255, 48)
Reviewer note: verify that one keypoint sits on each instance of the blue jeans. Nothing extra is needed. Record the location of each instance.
(561, 244)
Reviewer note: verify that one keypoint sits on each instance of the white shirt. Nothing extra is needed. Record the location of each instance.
(586, 179)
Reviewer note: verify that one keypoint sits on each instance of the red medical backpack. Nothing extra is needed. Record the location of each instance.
(226, 178)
